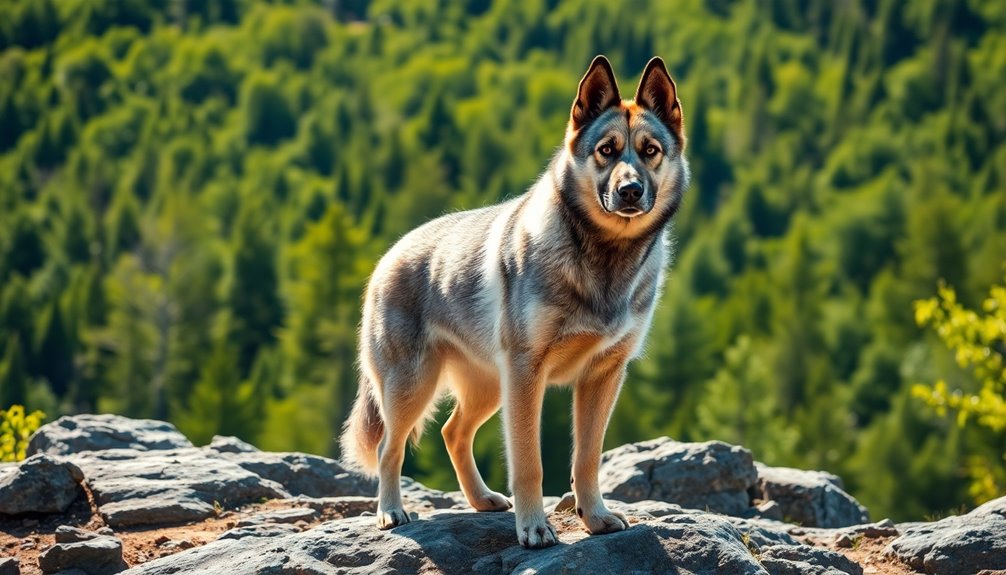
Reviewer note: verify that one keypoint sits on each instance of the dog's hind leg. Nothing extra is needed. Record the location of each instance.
(407, 392)
(477, 399)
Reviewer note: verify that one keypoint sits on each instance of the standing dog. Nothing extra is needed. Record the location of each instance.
(555, 286)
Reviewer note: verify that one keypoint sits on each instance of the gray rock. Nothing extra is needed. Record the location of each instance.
(230, 444)
(883, 528)
(10, 566)
(647, 509)
(344, 506)
(459, 542)
(100, 555)
(77, 433)
(809, 498)
(70, 534)
(260, 530)
(39, 484)
(711, 475)
(450, 541)
(807, 560)
(417, 494)
(763, 533)
(170, 486)
(956, 545)
(291, 515)
(303, 474)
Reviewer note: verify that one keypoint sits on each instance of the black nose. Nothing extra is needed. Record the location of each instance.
(630, 192)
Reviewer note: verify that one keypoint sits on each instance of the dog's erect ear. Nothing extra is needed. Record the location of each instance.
(597, 93)
(658, 94)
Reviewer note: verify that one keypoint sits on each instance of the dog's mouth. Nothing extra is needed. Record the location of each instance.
(629, 212)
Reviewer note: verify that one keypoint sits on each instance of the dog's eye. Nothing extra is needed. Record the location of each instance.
(651, 151)
(606, 150)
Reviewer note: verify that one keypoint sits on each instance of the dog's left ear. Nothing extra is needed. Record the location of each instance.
(598, 92)
(658, 94)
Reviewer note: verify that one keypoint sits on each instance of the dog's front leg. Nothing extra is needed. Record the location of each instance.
(524, 390)
(593, 398)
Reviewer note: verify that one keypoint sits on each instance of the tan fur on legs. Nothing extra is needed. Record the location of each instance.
(522, 408)
(593, 399)
(476, 402)
(406, 398)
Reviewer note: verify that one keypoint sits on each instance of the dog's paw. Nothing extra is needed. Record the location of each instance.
(536, 533)
(391, 518)
(603, 520)
(491, 501)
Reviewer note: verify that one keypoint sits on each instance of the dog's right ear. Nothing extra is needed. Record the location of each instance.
(598, 92)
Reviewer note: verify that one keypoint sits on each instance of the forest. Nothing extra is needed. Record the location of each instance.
(193, 193)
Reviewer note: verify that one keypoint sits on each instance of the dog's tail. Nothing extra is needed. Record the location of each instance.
(363, 431)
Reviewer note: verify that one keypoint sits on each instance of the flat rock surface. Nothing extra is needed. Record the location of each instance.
(961, 545)
(74, 434)
(300, 473)
(39, 484)
(712, 475)
(169, 486)
(465, 542)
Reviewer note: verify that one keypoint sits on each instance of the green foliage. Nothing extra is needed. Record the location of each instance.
(979, 344)
(16, 428)
(192, 195)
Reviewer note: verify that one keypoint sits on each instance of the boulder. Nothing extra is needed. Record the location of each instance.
(806, 560)
(134, 487)
(303, 474)
(39, 484)
(809, 498)
(711, 475)
(77, 433)
(961, 544)
(99, 555)
(70, 534)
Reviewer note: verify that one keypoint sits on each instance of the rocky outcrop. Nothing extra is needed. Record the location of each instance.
(956, 545)
(88, 551)
(711, 475)
(810, 498)
(693, 508)
(68, 435)
(725, 478)
(300, 473)
(134, 487)
(465, 542)
(40, 484)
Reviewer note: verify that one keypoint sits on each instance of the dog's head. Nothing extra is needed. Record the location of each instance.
(626, 157)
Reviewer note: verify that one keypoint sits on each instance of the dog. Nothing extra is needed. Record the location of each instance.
(556, 286)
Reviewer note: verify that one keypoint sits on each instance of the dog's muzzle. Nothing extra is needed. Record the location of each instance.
(628, 201)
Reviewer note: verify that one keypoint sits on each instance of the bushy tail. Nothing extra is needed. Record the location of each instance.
(363, 431)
